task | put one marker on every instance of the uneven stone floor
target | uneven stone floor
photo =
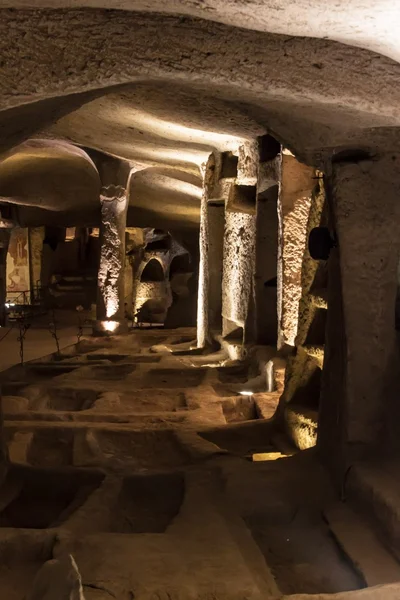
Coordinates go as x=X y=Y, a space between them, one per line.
x=138 y=463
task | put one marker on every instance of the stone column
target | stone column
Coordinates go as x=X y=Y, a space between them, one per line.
x=266 y=260
x=238 y=301
x=293 y=210
x=115 y=177
x=360 y=388
x=216 y=223
x=203 y=333
x=110 y=291
x=4 y=241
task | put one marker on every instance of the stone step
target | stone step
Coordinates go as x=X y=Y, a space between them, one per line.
x=359 y=542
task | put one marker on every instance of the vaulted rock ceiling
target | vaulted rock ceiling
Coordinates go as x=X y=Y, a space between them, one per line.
x=162 y=84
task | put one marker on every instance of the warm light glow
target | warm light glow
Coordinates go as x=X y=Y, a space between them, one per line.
x=173 y=131
x=264 y=456
x=70 y=234
x=112 y=303
x=163 y=182
x=110 y=326
x=246 y=393
x=169 y=155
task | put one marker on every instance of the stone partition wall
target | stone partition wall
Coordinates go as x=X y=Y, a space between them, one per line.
x=299 y=403
x=266 y=261
x=216 y=224
x=360 y=412
x=266 y=249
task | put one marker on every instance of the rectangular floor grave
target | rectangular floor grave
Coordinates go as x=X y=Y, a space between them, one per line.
x=46 y=497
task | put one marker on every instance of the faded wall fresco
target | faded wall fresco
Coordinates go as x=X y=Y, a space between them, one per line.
x=18 y=279
x=36 y=237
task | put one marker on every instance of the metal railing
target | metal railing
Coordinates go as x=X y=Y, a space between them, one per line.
x=27 y=302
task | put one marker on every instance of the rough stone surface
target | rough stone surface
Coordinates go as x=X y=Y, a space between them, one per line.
x=302 y=426
x=359 y=394
x=266 y=261
x=379 y=592
x=237 y=285
x=58 y=579
x=113 y=49
x=238 y=293
x=361 y=23
x=294 y=206
x=112 y=253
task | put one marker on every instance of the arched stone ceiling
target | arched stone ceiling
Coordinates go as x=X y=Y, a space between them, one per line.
x=165 y=198
x=49 y=175
x=338 y=92
x=371 y=24
x=158 y=124
x=163 y=91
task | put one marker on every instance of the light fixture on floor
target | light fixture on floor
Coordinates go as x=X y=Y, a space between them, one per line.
x=110 y=326
x=246 y=393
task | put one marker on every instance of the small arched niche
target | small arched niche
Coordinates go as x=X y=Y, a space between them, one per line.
x=180 y=264
x=153 y=271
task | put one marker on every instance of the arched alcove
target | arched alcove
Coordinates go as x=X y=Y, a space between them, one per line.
x=153 y=271
x=180 y=264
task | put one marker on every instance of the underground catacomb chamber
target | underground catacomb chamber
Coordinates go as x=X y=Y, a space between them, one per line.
x=44 y=497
